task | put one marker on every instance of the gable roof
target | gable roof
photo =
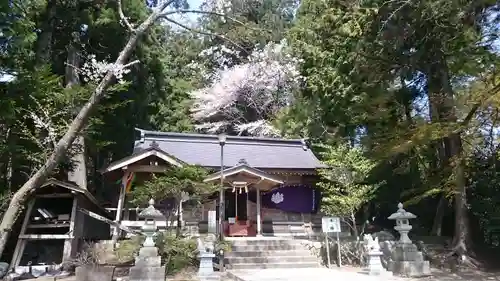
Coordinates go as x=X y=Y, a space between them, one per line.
x=74 y=187
x=243 y=167
x=152 y=150
x=204 y=150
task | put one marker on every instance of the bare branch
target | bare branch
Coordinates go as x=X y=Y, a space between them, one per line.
x=205 y=33
x=131 y=63
x=123 y=18
x=163 y=7
x=404 y=3
x=189 y=11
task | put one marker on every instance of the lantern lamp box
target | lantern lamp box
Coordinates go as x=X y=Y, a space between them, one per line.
x=330 y=224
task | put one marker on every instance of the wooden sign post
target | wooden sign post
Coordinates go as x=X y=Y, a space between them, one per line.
x=329 y=225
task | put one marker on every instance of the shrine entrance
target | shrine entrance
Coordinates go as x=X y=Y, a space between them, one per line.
x=236 y=204
x=237 y=181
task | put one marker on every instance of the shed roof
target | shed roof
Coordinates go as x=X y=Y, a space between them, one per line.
x=71 y=186
x=204 y=150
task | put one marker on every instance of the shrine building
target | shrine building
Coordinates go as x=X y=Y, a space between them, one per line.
x=269 y=184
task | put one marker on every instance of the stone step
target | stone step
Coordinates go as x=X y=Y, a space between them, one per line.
x=240 y=266
x=268 y=242
x=271 y=259
x=281 y=253
x=253 y=248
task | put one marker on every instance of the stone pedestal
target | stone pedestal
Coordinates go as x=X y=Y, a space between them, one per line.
x=206 y=270
x=147 y=266
x=374 y=266
x=408 y=261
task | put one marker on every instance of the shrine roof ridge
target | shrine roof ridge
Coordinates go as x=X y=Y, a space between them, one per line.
x=205 y=150
x=157 y=135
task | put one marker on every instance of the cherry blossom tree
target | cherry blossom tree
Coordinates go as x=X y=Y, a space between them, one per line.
x=103 y=75
x=245 y=98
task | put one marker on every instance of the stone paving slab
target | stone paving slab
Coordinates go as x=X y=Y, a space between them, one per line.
x=301 y=274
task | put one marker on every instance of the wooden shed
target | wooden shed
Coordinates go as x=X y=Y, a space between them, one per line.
x=53 y=230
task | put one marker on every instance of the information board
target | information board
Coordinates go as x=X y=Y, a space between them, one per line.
x=330 y=224
x=212 y=222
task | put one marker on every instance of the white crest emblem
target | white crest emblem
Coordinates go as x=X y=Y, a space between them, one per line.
x=277 y=198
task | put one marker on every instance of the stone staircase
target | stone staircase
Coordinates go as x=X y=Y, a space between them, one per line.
x=255 y=253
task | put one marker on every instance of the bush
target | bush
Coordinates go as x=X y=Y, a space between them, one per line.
x=177 y=253
x=127 y=250
x=351 y=252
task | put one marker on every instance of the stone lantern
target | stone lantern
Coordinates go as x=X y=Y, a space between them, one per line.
x=150 y=215
x=402 y=218
x=406 y=260
x=148 y=262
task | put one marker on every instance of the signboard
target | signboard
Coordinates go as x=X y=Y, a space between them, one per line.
x=212 y=222
x=330 y=224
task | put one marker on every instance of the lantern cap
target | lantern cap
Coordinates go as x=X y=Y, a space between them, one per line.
x=151 y=212
x=401 y=214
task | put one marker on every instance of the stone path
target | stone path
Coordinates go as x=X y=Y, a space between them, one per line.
x=351 y=274
x=301 y=274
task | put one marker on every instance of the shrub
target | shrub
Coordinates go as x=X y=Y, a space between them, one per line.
x=177 y=252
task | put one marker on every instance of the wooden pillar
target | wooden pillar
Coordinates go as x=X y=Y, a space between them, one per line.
x=248 y=209
x=119 y=207
x=69 y=249
x=21 y=243
x=259 y=222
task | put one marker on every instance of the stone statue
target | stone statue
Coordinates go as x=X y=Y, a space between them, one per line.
x=207 y=245
x=201 y=248
x=206 y=255
x=370 y=243
x=373 y=254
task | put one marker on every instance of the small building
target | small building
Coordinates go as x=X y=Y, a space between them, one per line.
x=53 y=229
x=269 y=183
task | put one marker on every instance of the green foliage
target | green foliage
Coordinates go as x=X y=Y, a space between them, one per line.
x=172 y=183
x=343 y=184
x=127 y=250
x=177 y=253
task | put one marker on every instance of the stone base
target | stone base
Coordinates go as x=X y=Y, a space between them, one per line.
x=147 y=273
x=380 y=272
x=214 y=276
x=148 y=261
x=206 y=264
x=410 y=268
x=374 y=266
x=148 y=252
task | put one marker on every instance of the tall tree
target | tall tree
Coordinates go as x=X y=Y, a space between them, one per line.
x=356 y=54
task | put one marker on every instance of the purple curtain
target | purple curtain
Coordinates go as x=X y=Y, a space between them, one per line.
x=296 y=198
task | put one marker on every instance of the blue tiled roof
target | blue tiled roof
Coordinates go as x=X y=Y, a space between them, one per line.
x=204 y=150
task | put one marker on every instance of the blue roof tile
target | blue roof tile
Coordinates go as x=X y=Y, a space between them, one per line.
x=204 y=150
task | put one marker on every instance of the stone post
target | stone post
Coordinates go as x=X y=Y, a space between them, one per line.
x=148 y=263
x=406 y=259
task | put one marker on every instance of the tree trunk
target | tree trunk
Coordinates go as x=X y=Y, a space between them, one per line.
x=437 y=225
x=44 y=40
x=354 y=225
x=461 y=239
x=78 y=173
x=441 y=98
x=62 y=146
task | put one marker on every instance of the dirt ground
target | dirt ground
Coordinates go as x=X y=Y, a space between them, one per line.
x=469 y=275
x=447 y=275
x=437 y=275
